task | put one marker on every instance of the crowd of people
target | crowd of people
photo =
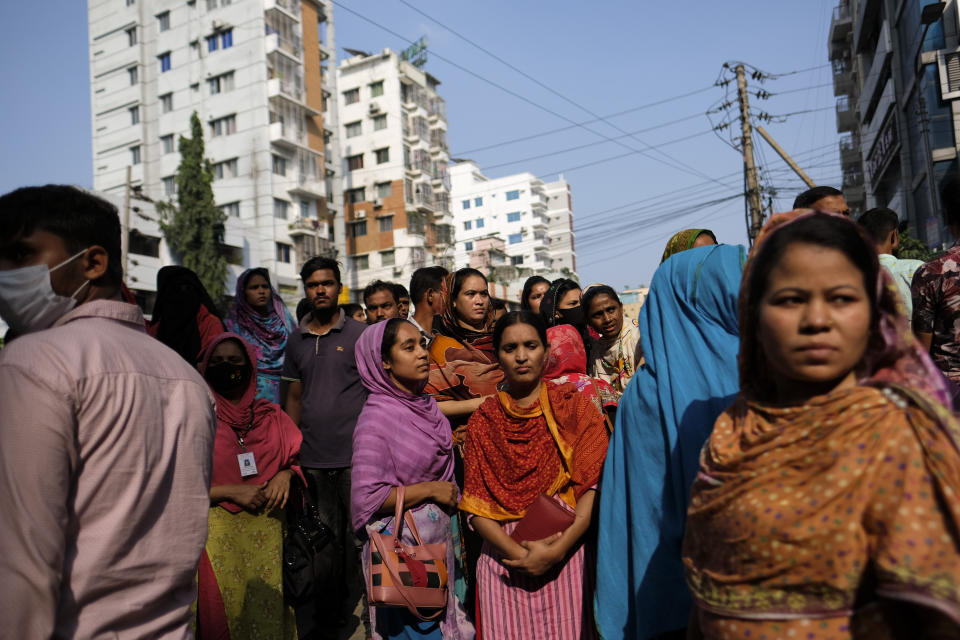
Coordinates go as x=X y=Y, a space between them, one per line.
x=770 y=450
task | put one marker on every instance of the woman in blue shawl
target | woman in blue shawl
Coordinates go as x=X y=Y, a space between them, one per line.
x=259 y=315
x=688 y=328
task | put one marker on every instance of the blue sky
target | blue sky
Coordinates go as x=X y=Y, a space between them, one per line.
x=603 y=57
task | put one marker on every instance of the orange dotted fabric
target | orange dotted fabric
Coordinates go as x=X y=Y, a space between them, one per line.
x=801 y=515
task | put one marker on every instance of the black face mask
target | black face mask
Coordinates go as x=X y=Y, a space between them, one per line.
x=226 y=377
x=572 y=316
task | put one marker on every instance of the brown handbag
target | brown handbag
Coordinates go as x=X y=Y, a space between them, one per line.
x=408 y=576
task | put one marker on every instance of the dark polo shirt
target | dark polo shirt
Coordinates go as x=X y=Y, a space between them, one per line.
x=332 y=393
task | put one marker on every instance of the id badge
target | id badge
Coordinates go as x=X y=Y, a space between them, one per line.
x=248 y=466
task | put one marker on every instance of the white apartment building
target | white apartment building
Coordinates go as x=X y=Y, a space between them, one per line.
x=533 y=219
x=256 y=73
x=394 y=175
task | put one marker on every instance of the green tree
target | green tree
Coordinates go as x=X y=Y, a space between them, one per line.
x=194 y=226
x=911 y=248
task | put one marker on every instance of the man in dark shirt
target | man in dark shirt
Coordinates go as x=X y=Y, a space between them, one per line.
x=325 y=397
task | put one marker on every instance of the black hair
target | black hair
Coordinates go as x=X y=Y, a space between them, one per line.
x=303 y=308
x=524 y=316
x=390 y=337
x=950 y=200
x=316 y=264
x=77 y=217
x=528 y=286
x=497 y=303
x=807 y=199
x=399 y=291
x=379 y=285
x=595 y=291
x=424 y=279
x=879 y=222
x=459 y=277
x=351 y=308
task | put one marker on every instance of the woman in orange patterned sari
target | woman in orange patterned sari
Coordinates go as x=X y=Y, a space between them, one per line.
x=533 y=438
x=826 y=505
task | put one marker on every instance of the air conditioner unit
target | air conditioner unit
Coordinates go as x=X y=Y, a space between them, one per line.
x=359 y=215
x=217 y=25
x=397 y=272
x=377 y=203
x=374 y=108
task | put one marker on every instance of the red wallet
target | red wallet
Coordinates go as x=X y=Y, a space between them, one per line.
x=544 y=518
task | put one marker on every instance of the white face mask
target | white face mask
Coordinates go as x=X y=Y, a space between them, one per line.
x=28 y=301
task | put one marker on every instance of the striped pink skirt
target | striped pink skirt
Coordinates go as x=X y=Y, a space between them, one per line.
x=555 y=606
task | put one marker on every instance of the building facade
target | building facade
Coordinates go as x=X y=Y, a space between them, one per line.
x=897 y=77
x=260 y=77
x=393 y=170
x=516 y=226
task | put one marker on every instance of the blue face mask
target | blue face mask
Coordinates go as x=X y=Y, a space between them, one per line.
x=27 y=300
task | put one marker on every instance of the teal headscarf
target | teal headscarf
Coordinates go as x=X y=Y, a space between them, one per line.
x=688 y=326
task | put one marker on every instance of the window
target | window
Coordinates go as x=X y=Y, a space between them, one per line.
x=515 y=238
x=468 y=246
x=358 y=228
x=304 y=209
x=163 y=21
x=466 y=204
x=211 y=5
x=355 y=195
x=225 y=169
x=361 y=262
x=212 y=43
x=143 y=245
x=166 y=102
x=513 y=217
x=355 y=162
x=164 y=59
x=279 y=165
x=386 y=223
x=383 y=155
x=130 y=3
x=384 y=189
x=134 y=115
x=134 y=76
x=226 y=39
x=283 y=252
x=131 y=36
x=280 y=208
x=351 y=96
x=135 y=155
x=516 y=260
x=170 y=185
x=513 y=195
x=376 y=89
x=478 y=202
x=223 y=126
x=231 y=209
x=195 y=50
x=479 y=223
x=221 y=83
x=167 y=142
x=353 y=129
x=468 y=225
x=388 y=258
x=380 y=122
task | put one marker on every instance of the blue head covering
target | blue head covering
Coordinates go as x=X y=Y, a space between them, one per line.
x=688 y=326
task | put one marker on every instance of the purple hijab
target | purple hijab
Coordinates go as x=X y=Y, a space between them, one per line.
x=400 y=439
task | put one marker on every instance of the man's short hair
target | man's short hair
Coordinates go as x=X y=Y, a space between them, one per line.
x=950 y=200
x=879 y=222
x=807 y=199
x=399 y=291
x=316 y=264
x=379 y=285
x=424 y=279
x=77 y=217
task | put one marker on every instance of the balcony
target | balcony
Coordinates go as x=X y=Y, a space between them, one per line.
x=285 y=136
x=841 y=24
x=287 y=8
x=846 y=117
x=309 y=186
x=291 y=90
x=849 y=152
x=289 y=48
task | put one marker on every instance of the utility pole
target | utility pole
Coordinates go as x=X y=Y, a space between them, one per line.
x=749 y=168
x=786 y=157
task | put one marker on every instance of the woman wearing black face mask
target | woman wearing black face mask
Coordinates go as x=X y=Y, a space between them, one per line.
x=561 y=305
x=255 y=454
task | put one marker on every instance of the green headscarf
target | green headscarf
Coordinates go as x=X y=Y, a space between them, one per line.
x=683 y=240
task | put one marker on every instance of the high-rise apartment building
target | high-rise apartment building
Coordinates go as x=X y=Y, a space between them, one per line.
x=532 y=220
x=260 y=75
x=393 y=137
x=897 y=78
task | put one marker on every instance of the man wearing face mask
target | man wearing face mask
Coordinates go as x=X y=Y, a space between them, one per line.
x=106 y=436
